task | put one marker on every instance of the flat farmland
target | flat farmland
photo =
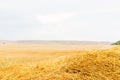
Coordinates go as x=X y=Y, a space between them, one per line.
x=20 y=61
x=35 y=53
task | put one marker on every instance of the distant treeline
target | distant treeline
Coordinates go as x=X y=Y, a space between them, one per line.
x=116 y=43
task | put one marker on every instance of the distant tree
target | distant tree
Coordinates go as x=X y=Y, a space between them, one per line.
x=116 y=43
x=3 y=43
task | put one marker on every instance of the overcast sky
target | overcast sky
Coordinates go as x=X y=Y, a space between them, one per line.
x=90 y=20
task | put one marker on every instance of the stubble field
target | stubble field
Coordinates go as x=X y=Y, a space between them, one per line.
x=59 y=62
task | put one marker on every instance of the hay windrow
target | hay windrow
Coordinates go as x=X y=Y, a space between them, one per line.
x=94 y=65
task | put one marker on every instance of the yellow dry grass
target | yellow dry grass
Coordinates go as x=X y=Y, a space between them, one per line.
x=59 y=62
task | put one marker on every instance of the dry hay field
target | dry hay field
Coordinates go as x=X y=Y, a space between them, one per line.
x=59 y=62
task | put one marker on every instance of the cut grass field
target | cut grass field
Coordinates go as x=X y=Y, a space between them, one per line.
x=59 y=62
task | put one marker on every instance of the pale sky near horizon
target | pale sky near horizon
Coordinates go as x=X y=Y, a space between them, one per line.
x=90 y=20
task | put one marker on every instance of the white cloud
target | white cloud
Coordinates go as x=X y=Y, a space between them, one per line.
x=55 y=18
x=60 y=19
